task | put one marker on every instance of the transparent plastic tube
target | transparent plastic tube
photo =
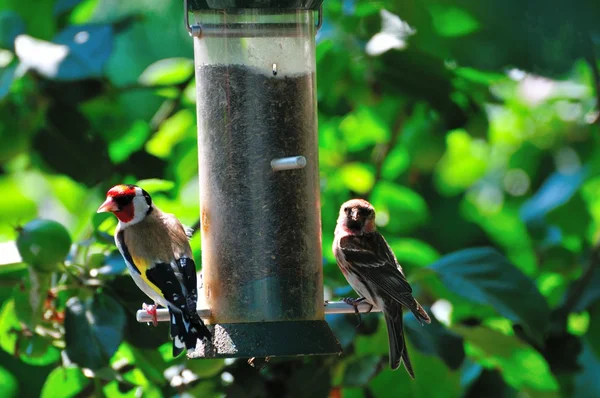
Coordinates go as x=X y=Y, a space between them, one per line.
x=261 y=228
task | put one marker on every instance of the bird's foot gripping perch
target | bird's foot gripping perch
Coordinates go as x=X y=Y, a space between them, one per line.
x=355 y=302
x=151 y=310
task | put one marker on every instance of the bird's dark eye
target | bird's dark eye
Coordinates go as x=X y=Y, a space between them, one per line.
x=346 y=209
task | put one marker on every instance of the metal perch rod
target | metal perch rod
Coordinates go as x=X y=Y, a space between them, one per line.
x=331 y=307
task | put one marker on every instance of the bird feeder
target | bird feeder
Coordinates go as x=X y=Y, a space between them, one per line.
x=259 y=180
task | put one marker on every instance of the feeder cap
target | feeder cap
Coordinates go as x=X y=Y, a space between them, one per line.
x=196 y=5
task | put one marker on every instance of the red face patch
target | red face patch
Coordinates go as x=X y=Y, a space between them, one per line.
x=126 y=214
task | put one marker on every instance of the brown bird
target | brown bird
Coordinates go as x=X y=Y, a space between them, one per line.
x=371 y=268
x=156 y=249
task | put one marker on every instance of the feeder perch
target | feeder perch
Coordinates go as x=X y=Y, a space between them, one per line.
x=259 y=181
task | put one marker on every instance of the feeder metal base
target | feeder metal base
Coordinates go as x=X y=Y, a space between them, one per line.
x=268 y=339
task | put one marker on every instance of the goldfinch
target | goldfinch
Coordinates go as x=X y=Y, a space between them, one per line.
x=156 y=249
x=370 y=267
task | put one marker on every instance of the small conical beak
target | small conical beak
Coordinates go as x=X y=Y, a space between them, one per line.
x=108 y=205
x=354 y=214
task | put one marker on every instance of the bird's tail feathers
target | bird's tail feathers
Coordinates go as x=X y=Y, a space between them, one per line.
x=185 y=331
x=397 y=345
x=406 y=359
x=395 y=335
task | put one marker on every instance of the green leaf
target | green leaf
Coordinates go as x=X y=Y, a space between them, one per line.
x=15 y=206
x=206 y=368
x=587 y=384
x=464 y=163
x=593 y=332
x=139 y=334
x=375 y=344
x=521 y=365
x=64 y=383
x=357 y=177
x=311 y=380
x=155 y=185
x=11 y=268
x=37 y=16
x=435 y=339
x=9 y=384
x=172 y=131
x=413 y=252
x=169 y=71
x=517 y=244
x=362 y=129
x=484 y=276
x=133 y=140
x=11 y=25
x=399 y=209
x=93 y=330
x=9 y=323
x=7 y=76
x=432 y=379
x=450 y=21
x=396 y=162
x=573 y=217
x=360 y=369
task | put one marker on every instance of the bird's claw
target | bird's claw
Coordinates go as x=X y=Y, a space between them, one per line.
x=355 y=302
x=151 y=310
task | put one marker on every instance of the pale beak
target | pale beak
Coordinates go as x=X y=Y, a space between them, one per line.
x=354 y=214
x=108 y=205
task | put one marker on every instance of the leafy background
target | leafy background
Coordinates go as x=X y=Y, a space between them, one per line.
x=471 y=126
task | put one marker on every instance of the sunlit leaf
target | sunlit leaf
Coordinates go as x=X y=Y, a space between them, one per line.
x=465 y=161
x=9 y=324
x=520 y=364
x=167 y=71
x=404 y=209
x=357 y=177
x=171 y=132
x=133 y=139
x=9 y=383
x=156 y=185
x=413 y=252
x=15 y=207
x=362 y=129
x=452 y=21
x=396 y=162
x=432 y=379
